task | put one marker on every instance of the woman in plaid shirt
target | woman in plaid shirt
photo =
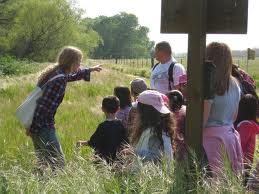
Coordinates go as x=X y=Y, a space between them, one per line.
x=42 y=130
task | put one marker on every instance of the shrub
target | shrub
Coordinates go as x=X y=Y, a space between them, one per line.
x=9 y=65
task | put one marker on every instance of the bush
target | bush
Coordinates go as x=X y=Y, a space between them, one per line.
x=9 y=65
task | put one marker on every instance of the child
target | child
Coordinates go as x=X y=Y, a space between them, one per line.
x=123 y=93
x=220 y=112
x=110 y=135
x=137 y=86
x=248 y=127
x=42 y=130
x=154 y=128
x=176 y=103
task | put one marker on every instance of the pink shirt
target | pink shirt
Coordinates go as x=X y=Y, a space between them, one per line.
x=248 y=131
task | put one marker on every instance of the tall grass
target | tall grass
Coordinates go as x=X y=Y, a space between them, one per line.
x=77 y=118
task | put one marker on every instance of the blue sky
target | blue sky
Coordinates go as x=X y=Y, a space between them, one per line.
x=149 y=11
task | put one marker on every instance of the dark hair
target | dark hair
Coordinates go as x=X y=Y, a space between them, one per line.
x=248 y=107
x=111 y=104
x=147 y=116
x=123 y=93
x=164 y=46
x=176 y=100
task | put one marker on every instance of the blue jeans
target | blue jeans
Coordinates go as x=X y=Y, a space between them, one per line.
x=48 y=149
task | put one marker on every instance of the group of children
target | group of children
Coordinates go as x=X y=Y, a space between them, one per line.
x=146 y=124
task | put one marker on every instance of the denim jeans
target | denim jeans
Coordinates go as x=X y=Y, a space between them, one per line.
x=48 y=149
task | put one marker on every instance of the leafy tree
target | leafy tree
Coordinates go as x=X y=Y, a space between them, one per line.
x=122 y=36
x=41 y=28
x=7 y=15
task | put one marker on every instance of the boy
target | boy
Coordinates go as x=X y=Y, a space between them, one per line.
x=110 y=135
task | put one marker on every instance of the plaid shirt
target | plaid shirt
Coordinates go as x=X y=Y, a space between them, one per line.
x=52 y=97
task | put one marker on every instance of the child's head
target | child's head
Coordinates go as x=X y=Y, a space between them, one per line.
x=248 y=107
x=110 y=104
x=152 y=113
x=137 y=86
x=69 y=58
x=123 y=93
x=176 y=100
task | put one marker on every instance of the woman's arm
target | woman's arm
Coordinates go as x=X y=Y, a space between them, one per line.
x=83 y=73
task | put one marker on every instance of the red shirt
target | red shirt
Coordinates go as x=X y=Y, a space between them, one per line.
x=248 y=131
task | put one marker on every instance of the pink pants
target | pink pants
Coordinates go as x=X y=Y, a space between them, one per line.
x=218 y=141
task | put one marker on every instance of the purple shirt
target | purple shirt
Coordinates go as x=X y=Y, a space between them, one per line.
x=123 y=115
x=52 y=97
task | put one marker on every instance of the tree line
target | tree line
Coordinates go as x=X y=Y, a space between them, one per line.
x=37 y=30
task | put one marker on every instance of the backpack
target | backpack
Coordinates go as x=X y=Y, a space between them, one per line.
x=170 y=74
x=247 y=83
x=25 y=111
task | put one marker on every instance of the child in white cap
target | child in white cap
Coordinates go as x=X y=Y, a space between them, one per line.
x=153 y=128
x=137 y=86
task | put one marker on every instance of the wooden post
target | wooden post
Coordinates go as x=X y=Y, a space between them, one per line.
x=152 y=62
x=195 y=71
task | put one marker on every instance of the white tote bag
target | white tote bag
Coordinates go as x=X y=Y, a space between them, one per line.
x=25 y=111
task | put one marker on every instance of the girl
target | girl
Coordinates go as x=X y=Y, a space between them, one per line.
x=176 y=103
x=154 y=126
x=219 y=135
x=123 y=93
x=248 y=128
x=42 y=130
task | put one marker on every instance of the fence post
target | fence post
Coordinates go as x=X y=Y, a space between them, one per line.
x=152 y=62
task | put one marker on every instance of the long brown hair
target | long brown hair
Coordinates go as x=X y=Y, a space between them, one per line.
x=67 y=57
x=221 y=56
x=148 y=117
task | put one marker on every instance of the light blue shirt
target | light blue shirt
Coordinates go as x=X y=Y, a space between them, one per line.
x=224 y=108
x=149 y=146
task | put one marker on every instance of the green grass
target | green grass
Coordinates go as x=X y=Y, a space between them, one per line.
x=77 y=118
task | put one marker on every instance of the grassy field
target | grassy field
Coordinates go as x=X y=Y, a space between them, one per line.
x=77 y=118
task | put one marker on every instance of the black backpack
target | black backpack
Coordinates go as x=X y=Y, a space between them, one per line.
x=170 y=74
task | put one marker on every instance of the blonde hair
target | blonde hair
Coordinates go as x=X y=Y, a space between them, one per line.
x=220 y=55
x=67 y=57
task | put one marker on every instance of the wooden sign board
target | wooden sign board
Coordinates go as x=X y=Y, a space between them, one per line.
x=250 y=54
x=223 y=16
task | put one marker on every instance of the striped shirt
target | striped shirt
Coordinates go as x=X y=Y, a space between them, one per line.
x=52 y=97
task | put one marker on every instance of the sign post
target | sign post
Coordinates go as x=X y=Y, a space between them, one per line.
x=195 y=72
x=198 y=18
x=250 y=56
